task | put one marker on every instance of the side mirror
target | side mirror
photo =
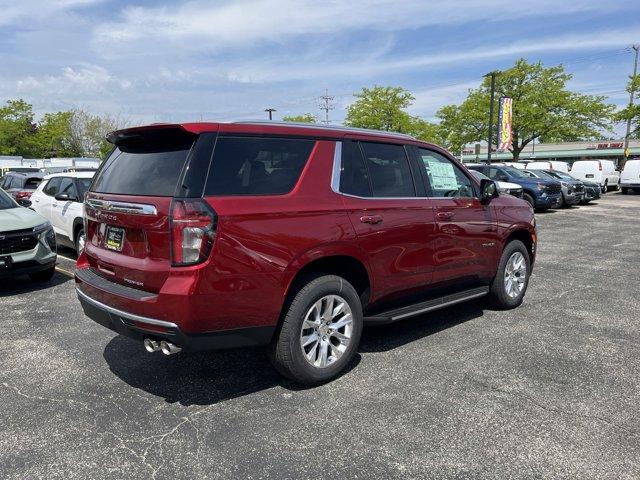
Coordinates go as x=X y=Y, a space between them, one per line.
x=64 y=197
x=488 y=190
x=24 y=202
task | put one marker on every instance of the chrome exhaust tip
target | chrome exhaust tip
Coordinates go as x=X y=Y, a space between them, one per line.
x=169 y=348
x=151 y=345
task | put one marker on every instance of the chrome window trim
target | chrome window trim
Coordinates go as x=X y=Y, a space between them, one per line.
x=122 y=207
x=121 y=313
x=335 y=181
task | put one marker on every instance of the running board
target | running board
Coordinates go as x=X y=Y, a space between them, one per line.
x=394 y=315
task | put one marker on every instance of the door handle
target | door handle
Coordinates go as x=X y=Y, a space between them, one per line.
x=444 y=215
x=372 y=219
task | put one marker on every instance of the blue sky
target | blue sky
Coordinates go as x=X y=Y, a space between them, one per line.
x=225 y=60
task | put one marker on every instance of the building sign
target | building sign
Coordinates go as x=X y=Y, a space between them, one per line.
x=505 y=133
x=605 y=145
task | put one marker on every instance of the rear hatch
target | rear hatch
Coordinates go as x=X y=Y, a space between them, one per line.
x=128 y=206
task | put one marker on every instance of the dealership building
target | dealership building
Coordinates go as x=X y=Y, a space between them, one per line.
x=567 y=152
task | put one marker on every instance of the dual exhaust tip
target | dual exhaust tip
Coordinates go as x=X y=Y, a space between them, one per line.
x=165 y=347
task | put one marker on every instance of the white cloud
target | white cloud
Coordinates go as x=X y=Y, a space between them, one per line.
x=89 y=79
x=250 y=21
x=12 y=11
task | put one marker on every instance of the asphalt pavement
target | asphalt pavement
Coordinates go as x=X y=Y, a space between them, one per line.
x=549 y=390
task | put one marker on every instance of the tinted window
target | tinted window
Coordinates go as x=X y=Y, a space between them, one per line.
x=32 y=183
x=67 y=186
x=257 y=166
x=354 y=178
x=388 y=170
x=51 y=188
x=6 y=201
x=17 y=182
x=498 y=174
x=143 y=171
x=83 y=186
x=444 y=178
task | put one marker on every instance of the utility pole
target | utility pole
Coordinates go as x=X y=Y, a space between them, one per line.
x=493 y=91
x=626 y=137
x=326 y=105
x=270 y=112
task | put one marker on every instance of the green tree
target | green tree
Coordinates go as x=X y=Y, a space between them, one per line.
x=16 y=127
x=89 y=132
x=53 y=137
x=304 y=118
x=631 y=112
x=543 y=109
x=383 y=108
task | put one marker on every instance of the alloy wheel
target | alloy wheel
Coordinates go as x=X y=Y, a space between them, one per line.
x=515 y=275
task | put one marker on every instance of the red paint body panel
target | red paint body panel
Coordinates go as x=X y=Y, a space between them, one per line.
x=261 y=242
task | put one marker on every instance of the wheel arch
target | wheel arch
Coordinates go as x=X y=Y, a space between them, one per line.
x=78 y=224
x=526 y=236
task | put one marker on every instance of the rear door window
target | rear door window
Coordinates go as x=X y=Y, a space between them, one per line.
x=52 y=186
x=257 y=166
x=354 y=178
x=388 y=169
x=67 y=186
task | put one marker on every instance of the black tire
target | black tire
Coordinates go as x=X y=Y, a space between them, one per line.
x=79 y=235
x=605 y=189
x=43 y=276
x=285 y=351
x=498 y=296
x=624 y=190
x=562 y=203
x=529 y=199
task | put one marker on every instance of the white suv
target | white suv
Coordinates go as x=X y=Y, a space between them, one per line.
x=59 y=199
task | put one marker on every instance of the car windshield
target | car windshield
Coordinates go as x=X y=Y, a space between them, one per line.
x=559 y=175
x=516 y=172
x=6 y=201
x=540 y=174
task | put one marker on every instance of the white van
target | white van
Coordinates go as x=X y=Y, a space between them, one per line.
x=603 y=172
x=630 y=178
x=549 y=165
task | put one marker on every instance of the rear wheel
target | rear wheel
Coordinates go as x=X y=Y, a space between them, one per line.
x=512 y=278
x=320 y=331
x=624 y=190
x=43 y=276
x=80 y=241
x=605 y=189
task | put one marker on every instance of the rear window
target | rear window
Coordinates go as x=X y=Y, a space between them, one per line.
x=146 y=163
x=257 y=166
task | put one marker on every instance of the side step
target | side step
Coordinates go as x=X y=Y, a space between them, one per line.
x=396 y=314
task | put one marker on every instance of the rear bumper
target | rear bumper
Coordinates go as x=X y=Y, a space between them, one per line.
x=630 y=184
x=139 y=327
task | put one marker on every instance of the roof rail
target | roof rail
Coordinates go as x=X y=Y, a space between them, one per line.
x=339 y=128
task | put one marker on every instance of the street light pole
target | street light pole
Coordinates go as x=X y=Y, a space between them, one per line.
x=626 y=137
x=493 y=91
x=270 y=112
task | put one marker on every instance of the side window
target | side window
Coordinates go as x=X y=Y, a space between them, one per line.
x=67 y=186
x=52 y=187
x=16 y=182
x=444 y=178
x=354 y=178
x=257 y=166
x=498 y=174
x=389 y=170
x=6 y=181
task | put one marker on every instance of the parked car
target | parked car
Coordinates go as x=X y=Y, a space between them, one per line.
x=630 y=177
x=505 y=188
x=210 y=235
x=603 y=172
x=590 y=190
x=541 y=194
x=5 y=170
x=27 y=241
x=572 y=189
x=21 y=185
x=548 y=165
x=59 y=199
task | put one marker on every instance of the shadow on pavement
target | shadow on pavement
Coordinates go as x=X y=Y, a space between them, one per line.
x=205 y=378
x=23 y=284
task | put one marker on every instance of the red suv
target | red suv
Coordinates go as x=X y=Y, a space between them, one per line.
x=211 y=235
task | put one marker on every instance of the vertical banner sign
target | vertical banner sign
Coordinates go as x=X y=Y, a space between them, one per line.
x=504 y=126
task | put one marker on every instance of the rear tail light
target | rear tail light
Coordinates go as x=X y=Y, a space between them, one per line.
x=193 y=230
x=23 y=194
x=599 y=165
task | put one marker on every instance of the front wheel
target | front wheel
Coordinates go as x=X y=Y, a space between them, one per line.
x=529 y=199
x=605 y=189
x=624 y=190
x=320 y=331
x=512 y=278
x=80 y=241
